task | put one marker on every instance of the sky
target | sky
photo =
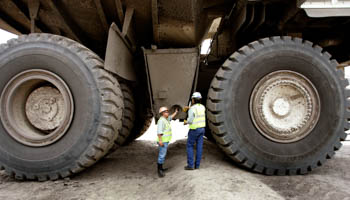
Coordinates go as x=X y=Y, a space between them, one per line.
x=4 y=36
x=179 y=131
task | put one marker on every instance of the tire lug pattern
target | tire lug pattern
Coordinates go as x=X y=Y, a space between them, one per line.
x=110 y=96
x=216 y=106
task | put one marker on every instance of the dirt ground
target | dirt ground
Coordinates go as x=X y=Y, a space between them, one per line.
x=130 y=173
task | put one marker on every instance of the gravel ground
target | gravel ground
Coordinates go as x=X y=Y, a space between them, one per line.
x=130 y=173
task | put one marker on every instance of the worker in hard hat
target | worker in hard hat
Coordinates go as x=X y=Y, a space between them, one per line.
x=196 y=121
x=164 y=136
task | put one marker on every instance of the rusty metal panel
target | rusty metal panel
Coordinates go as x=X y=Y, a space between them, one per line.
x=10 y=8
x=180 y=23
x=4 y=25
x=118 y=58
x=171 y=76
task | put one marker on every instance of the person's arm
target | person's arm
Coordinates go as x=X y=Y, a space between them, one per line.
x=160 y=140
x=174 y=114
x=160 y=129
x=190 y=116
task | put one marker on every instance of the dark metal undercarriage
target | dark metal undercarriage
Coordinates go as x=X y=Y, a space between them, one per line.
x=175 y=24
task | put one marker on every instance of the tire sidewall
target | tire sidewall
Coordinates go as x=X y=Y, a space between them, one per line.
x=306 y=61
x=70 y=66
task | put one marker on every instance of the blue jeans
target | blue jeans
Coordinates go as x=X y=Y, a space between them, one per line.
x=195 y=137
x=162 y=152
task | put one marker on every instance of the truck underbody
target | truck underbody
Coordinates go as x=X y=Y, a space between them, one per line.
x=177 y=24
x=274 y=89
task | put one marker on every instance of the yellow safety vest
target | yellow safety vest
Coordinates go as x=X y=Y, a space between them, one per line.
x=166 y=137
x=199 y=116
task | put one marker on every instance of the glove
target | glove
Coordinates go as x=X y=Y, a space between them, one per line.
x=185 y=109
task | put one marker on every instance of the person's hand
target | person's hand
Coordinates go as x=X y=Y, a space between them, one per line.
x=176 y=110
x=185 y=109
x=161 y=144
x=185 y=122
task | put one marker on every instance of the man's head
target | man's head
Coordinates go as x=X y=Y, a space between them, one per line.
x=195 y=101
x=196 y=97
x=164 y=111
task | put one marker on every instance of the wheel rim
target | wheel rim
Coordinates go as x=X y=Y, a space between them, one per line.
x=285 y=106
x=36 y=107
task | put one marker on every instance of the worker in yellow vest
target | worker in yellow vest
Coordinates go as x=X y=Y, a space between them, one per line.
x=164 y=136
x=196 y=121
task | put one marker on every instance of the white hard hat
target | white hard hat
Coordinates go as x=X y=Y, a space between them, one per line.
x=162 y=109
x=196 y=95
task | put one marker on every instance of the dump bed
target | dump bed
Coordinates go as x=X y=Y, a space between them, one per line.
x=181 y=23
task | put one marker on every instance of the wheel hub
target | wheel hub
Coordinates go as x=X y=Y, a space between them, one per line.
x=36 y=107
x=285 y=106
x=45 y=108
x=281 y=107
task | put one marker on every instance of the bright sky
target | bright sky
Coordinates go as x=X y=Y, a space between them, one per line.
x=4 y=36
x=178 y=129
x=205 y=46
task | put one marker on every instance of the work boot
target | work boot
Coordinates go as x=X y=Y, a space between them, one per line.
x=164 y=169
x=188 y=168
x=160 y=171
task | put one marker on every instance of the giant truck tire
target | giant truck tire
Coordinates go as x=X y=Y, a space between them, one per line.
x=60 y=110
x=141 y=125
x=133 y=125
x=128 y=116
x=278 y=106
x=209 y=135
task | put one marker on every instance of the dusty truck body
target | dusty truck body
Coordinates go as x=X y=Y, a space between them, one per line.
x=86 y=76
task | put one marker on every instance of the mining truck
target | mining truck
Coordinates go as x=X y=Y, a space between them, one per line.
x=85 y=77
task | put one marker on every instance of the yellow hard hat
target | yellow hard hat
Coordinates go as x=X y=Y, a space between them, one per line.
x=162 y=109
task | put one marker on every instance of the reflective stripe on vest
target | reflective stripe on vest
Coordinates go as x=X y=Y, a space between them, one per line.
x=166 y=137
x=199 y=117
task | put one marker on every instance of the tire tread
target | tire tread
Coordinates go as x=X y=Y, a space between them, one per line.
x=105 y=83
x=216 y=111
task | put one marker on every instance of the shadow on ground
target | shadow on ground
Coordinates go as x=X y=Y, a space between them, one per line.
x=130 y=173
